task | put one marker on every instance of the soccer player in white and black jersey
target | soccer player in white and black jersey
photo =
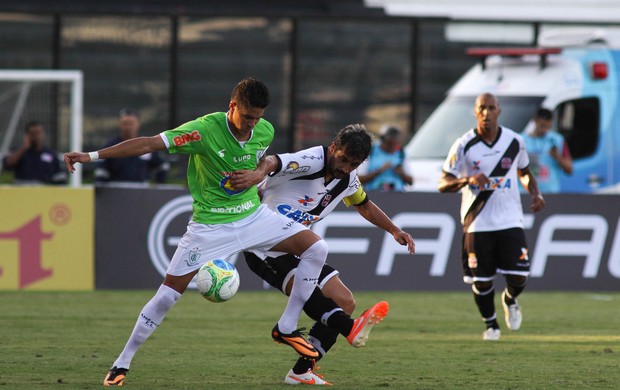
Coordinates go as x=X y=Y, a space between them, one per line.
x=485 y=164
x=306 y=186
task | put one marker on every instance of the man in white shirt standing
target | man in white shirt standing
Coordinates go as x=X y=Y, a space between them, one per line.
x=485 y=164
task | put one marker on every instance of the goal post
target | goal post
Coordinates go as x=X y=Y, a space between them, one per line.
x=27 y=78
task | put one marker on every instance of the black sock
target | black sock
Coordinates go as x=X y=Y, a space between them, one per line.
x=318 y=304
x=492 y=323
x=515 y=284
x=322 y=337
x=512 y=293
x=485 y=303
x=341 y=322
x=303 y=365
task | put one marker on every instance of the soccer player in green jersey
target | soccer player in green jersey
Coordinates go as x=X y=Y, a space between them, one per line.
x=224 y=151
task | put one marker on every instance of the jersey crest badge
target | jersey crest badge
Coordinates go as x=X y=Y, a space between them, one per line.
x=193 y=257
x=227 y=187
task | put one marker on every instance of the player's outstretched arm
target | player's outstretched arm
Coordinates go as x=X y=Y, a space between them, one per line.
x=132 y=147
x=373 y=214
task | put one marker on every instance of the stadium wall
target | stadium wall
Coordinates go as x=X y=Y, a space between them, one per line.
x=574 y=243
x=46 y=238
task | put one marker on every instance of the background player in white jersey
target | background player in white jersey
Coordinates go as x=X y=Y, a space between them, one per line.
x=306 y=186
x=225 y=149
x=485 y=164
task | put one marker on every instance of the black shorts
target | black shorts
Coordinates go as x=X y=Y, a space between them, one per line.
x=277 y=271
x=487 y=253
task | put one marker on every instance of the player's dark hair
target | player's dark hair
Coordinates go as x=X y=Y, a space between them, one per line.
x=31 y=124
x=355 y=139
x=251 y=92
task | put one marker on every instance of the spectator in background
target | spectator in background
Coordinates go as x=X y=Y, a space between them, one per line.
x=138 y=169
x=33 y=162
x=548 y=153
x=384 y=169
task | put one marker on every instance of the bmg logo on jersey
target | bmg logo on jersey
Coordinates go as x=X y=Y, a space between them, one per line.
x=294 y=167
x=184 y=138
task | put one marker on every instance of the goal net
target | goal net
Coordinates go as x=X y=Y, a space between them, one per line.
x=51 y=97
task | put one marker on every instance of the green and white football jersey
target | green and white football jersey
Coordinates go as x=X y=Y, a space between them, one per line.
x=214 y=155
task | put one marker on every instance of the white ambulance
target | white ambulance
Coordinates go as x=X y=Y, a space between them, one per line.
x=574 y=73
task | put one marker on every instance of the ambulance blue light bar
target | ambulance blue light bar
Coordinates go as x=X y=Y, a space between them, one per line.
x=484 y=52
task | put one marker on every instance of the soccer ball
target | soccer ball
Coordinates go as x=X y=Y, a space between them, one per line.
x=217 y=280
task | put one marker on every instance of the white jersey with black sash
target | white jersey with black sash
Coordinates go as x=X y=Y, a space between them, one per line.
x=298 y=190
x=498 y=206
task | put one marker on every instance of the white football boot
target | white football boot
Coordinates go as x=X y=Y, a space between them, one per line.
x=512 y=314
x=309 y=378
x=491 y=334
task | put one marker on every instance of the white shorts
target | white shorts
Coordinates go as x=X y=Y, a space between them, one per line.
x=258 y=233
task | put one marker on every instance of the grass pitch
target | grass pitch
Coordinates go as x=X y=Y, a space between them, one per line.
x=60 y=340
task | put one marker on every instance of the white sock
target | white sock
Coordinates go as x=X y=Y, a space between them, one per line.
x=306 y=277
x=149 y=319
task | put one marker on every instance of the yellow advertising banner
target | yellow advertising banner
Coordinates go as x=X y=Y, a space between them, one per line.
x=46 y=238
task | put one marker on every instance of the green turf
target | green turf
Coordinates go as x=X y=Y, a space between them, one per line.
x=428 y=341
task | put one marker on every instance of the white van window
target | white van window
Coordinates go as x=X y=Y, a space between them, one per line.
x=579 y=122
x=455 y=116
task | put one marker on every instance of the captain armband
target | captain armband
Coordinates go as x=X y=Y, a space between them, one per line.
x=357 y=199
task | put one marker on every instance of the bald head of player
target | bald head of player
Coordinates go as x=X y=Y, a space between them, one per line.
x=487 y=111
